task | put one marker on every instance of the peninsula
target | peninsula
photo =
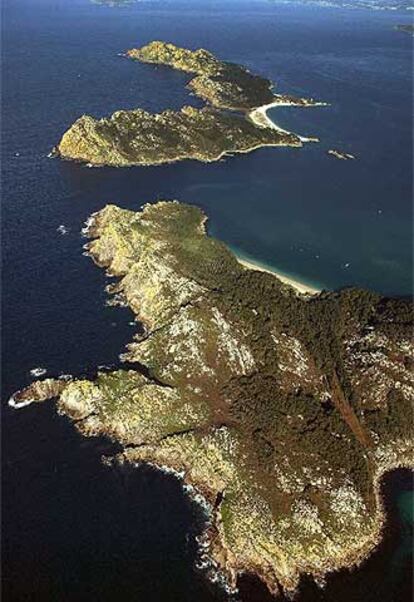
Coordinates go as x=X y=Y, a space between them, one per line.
x=225 y=85
x=234 y=121
x=281 y=410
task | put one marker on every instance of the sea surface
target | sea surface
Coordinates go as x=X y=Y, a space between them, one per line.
x=74 y=529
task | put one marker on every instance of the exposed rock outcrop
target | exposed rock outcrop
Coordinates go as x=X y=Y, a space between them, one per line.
x=282 y=410
x=141 y=138
x=136 y=137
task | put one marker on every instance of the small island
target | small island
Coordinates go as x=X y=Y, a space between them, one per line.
x=280 y=411
x=406 y=28
x=234 y=121
x=340 y=154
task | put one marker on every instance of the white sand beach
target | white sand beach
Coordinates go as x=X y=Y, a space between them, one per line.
x=261 y=119
x=300 y=287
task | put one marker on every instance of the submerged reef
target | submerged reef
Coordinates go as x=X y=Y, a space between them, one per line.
x=282 y=410
x=227 y=126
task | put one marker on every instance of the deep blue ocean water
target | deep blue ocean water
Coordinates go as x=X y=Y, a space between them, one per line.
x=73 y=529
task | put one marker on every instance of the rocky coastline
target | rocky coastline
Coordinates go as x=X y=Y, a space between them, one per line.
x=137 y=137
x=227 y=125
x=281 y=411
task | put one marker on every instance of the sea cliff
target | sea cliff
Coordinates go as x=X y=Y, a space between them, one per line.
x=227 y=125
x=282 y=410
x=141 y=138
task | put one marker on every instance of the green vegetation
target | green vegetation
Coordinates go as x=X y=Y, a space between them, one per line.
x=140 y=138
x=137 y=137
x=224 y=85
x=282 y=409
x=199 y=61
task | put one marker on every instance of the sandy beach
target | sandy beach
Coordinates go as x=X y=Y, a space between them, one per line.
x=260 y=118
x=300 y=287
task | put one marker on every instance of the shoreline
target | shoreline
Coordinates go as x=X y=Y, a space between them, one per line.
x=301 y=287
x=351 y=559
x=219 y=157
x=261 y=119
x=258 y=116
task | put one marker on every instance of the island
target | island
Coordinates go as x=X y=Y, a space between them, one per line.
x=406 y=28
x=234 y=121
x=140 y=138
x=340 y=154
x=279 y=411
